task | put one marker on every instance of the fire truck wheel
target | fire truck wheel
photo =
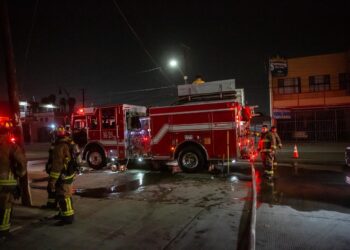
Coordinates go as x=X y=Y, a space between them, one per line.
x=96 y=158
x=191 y=159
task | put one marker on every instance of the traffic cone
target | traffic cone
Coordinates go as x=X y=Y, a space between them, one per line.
x=295 y=152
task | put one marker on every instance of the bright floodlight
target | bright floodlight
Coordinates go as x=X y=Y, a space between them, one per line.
x=173 y=63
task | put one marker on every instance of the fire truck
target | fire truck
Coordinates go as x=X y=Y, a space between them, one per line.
x=209 y=125
x=116 y=132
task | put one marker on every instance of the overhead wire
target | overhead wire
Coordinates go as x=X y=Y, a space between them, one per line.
x=29 y=42
x=137 y=37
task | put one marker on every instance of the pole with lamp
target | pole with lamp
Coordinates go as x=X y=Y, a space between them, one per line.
x=174 y=64
x=13 y=91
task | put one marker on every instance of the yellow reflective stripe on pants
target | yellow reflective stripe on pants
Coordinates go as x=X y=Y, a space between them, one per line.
x=8 y=182
x=5 y=224
x=69 y=207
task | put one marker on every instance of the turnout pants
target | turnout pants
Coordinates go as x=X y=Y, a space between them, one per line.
x=6 y=199
x=51 y=198
x=267 y=159
x=64 y=200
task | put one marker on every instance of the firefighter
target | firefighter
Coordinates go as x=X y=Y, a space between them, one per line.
x=267 y=147
x=278 y=142
x=199 y=80
x=13 y=165
x=51 y=200
x=62 y=174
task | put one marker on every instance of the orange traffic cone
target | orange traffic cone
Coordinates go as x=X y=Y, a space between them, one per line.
x=295 y=152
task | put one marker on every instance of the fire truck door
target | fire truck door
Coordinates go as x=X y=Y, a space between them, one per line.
x=108 y=126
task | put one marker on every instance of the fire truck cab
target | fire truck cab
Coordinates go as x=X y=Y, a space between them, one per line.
x=209 y=125
x=118 y=132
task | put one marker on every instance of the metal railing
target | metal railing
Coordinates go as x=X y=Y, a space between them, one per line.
x=316 y=125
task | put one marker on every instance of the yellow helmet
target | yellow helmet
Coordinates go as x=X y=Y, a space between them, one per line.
x=60 y=131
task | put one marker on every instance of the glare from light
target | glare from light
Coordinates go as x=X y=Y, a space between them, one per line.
x=140 y=177
x=173 y=63
x=234 y=161
x=23 y=104
x=113 y=159
x=140 y=159
x=234 y=179
x=49 y=106
x=53 y=126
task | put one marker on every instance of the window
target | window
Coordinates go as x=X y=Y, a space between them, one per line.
x=108 y=118
x=93 y=122
x=319 y=83
x=289 y=85
x=344 y=81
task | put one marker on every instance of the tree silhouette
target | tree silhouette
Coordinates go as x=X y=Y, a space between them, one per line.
x=71 y=104
x=63 y=104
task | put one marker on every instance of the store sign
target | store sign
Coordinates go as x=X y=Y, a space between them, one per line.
x=278 y=67
x=282 y=114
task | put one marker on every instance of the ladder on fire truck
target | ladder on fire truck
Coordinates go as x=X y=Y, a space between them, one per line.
x=210 y=91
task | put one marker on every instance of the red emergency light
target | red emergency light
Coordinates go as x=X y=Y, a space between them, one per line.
x=81 y=111
x=12 y=139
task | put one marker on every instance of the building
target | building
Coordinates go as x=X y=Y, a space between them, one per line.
x=310 y=97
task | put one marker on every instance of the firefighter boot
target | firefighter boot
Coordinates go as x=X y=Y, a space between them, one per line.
x=64 y=220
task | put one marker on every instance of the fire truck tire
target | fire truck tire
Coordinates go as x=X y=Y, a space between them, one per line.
x=191 y=159
x=96 y=158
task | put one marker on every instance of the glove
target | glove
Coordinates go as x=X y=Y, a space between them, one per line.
x=48 y=168
x=51 y=188
x=17 y=192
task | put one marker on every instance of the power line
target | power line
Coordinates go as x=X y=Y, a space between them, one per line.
x=26 y=54
x=139 y=40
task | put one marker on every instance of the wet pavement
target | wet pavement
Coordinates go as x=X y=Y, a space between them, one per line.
x=305 y=185
x=144 y=210
x=141 y=209
x=307 y=209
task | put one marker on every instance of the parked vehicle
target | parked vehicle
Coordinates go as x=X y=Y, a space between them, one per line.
x=118 y=132
x=347 y=156
x=208 y=125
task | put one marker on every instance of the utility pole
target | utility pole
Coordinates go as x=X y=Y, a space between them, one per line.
x=83 y=93
x=13 y=91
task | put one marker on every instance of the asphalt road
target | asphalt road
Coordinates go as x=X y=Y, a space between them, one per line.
x=140 y=209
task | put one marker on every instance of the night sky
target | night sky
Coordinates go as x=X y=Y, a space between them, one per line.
x=75 y=44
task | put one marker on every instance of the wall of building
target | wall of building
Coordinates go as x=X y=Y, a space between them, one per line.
x=303 y=68
x=308 y=114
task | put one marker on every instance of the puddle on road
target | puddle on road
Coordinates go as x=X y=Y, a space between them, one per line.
x=308 y=190
x=138 y=181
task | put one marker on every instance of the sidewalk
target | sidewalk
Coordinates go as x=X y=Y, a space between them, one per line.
x=314 y=153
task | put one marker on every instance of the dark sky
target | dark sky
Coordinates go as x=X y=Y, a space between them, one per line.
x=77 y=44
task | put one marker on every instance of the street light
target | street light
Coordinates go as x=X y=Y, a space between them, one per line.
x=173 y=63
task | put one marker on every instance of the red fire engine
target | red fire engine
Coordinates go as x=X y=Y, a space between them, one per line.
x=117 y=132
x=211 y=126
x=207 y=125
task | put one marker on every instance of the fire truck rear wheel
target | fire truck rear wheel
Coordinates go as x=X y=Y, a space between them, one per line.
x=96 y=158
x=191 y=159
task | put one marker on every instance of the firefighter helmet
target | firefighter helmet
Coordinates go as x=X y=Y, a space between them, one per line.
x=5 y=127
x=60 y=131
